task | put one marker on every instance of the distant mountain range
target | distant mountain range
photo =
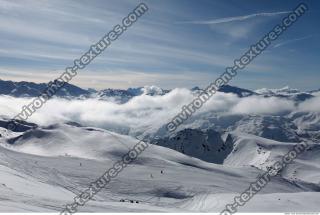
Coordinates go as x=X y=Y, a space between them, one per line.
x=30 y=89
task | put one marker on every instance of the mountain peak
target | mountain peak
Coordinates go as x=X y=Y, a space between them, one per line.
x=286 y=90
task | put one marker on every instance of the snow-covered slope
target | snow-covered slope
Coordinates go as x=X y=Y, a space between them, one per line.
x=282 y=91
x=250 y=150
x=278 y=128
x=42 y=169
x=286 y=92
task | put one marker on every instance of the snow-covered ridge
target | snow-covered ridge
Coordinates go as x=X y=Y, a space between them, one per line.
x=29 y=89
x=287 y=92
x=281 y=91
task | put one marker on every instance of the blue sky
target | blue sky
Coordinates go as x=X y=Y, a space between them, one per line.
x=177 y=43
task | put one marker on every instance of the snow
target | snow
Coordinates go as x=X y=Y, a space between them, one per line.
x=208 y=160
x=282 y=91
x=38 y=176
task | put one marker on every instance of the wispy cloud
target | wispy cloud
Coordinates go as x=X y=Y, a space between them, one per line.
x=291 y=41
x=40 y=38
x=234 y=18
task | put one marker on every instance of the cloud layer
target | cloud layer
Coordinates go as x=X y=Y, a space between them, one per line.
x=145 y=112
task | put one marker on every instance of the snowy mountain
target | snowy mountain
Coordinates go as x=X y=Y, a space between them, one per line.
x=241 y=92
x=213 y=156
x=282 y=91
x=29 y=89
x=236 y=90
x=285 y=92
x=123 y=96
x=63 y=159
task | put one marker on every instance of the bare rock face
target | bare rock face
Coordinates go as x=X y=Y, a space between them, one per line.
x=205 y=145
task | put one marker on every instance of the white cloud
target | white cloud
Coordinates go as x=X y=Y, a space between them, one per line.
x=290 y=41
x=234 y=18
x=139 y=112
x=311 y=105
x=144 y=112
x=259 y=105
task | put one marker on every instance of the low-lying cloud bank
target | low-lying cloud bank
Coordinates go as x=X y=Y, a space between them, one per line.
x=145 y=112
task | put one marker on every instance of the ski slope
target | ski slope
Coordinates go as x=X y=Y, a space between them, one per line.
x=43 y=169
